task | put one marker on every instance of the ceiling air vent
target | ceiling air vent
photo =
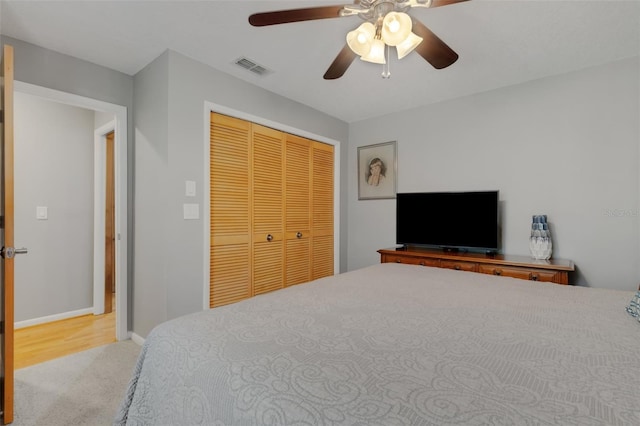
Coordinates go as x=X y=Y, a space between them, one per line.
x=249 y=65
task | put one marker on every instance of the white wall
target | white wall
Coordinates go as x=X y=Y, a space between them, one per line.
x=565 y=146
x=54 y=168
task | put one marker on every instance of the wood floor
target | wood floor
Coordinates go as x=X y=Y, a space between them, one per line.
x=39 y=343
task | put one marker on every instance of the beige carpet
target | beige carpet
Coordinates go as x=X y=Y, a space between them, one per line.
x=81 y=389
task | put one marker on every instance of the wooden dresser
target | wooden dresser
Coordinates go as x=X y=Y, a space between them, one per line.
x=523 y=267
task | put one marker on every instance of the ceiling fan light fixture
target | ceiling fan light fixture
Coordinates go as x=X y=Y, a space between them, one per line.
x=386 y=23
x=396 y=27
x=360 y=39
x=376 y=54
x=407 y=46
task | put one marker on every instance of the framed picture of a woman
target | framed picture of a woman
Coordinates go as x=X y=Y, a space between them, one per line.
x=377 y=171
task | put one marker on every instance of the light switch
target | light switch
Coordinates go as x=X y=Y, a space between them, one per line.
x=41 y=213
x=191 y=211
x=190 y=188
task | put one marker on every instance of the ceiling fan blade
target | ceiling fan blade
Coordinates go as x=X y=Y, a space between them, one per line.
x=294 y=15
x=438 y=3
x=340 y=64
x=432 y=49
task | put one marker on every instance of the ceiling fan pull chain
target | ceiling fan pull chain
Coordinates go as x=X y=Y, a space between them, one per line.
x=386 y=71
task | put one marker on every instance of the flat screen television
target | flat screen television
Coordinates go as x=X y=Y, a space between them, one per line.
x=448 y=220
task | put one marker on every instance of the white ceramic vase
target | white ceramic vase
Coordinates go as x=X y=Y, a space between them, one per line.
x=540 y=244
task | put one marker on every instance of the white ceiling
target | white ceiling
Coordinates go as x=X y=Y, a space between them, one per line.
x=500 y=43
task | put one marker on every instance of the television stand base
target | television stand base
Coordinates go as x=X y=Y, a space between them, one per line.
x=523 y=267
x=451 y=250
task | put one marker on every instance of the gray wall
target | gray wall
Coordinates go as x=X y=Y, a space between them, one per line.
x=169 y=250
x=102 y=118
x=565 y=146
x=152 y=249
x=46 y=68
x=53 y=168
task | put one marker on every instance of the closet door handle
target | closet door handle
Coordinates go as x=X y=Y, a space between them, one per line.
x=299 y=235
x=269 y=237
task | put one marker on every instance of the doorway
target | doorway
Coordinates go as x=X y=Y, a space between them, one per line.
x=110 y=227
x=117 y=127
x=105 y=234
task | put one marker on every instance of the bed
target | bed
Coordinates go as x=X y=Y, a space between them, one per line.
x=395 y=344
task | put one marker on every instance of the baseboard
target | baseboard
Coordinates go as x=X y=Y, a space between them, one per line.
x=51 y=318
x=138 y=339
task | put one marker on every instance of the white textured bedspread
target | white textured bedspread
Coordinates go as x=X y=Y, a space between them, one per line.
x=396 y=344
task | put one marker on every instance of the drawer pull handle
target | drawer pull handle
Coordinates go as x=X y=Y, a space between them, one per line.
x=534 y=277
x=269 y=237
x=299 y=235
x=421 y=263
x=398 y=261
x=457 y=267
x=497 y=272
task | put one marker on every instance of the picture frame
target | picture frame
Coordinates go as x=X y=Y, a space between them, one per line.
x=377 y=171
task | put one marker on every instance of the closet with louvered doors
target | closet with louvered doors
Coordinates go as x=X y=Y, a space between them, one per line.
x=270 y=210
x=267 y=210
x=322 y=187
x=298 y=169
x=308 y=210
x=230 y=270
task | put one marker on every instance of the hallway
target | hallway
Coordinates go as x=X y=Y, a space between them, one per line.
x=44 y=342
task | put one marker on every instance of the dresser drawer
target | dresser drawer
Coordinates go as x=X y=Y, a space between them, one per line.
x=522 y=273
x=459 y=266
x=410 y=260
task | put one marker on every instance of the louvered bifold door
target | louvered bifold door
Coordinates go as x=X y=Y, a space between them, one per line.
x=297 y=210
x=268 y=200
x=230 y=267
x=322 y=210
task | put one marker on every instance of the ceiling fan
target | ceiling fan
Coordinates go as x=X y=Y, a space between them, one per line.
x=386 y=24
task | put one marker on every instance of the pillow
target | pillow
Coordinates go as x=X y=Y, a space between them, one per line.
x=634 y=306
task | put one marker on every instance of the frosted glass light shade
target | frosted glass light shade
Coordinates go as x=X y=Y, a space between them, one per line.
x=360 y=39
x=407 y=46
x=376 y=54
x=396 y=27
